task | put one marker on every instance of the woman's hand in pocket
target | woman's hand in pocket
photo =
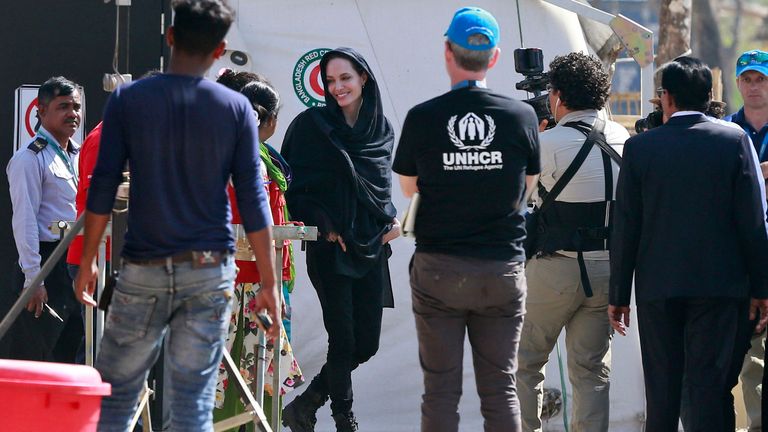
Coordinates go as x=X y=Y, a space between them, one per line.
x=336 y=238
x=392 y=233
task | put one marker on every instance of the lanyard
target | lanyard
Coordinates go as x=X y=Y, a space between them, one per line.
x=469 y=83
x=763 y=148
x=57 y=148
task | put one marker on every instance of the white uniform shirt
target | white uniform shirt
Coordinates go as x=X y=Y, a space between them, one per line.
x=42 y=187
x=559 y=147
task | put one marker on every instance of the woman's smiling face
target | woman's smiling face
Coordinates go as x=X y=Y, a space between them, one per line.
x=345 y=84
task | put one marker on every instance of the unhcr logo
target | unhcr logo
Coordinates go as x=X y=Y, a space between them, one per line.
x=472 y=133
x=472 y=129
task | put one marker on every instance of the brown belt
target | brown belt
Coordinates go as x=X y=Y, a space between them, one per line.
x=195 y=257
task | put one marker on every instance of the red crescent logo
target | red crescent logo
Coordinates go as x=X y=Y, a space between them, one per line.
x=314 y=82
x=27 y=123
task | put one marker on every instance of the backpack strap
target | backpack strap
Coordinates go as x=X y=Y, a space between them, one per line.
x=593 y=134
x=607 y=152
x=585 y=128
x=578 y=161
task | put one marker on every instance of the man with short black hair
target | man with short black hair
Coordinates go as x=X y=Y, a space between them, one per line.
x=471 y=154
x=752 y=82
x=568 y=282
x=184 y=137
x=42 y=178
x=690 y=230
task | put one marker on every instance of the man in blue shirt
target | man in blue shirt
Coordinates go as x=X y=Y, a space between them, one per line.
x=184 y=138
x=752 y=81
x=42 y=178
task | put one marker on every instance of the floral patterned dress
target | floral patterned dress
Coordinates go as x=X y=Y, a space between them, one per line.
x=243 y=338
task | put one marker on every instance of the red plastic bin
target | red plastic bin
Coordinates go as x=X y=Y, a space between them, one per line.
x=51 y=397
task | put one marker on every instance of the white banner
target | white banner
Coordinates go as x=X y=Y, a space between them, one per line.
x=403 y=42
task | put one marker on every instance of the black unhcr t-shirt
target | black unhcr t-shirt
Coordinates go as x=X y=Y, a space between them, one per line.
x=471 y=150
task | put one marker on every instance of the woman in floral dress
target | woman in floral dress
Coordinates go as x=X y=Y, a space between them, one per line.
x=243 y=330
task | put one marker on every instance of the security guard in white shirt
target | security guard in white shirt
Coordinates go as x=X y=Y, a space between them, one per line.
x=42 y=179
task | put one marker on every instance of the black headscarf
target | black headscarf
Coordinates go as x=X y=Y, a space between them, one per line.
x=341 y=174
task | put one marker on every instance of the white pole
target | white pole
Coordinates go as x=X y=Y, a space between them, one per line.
x=278 y=346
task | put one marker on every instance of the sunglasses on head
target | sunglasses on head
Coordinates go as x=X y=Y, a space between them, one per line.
x=752 y=57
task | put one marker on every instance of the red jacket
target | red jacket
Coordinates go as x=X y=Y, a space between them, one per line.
x=89 y=154
x=248 y=272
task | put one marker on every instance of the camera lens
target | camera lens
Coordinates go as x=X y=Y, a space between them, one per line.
x=529 y=61
x=641 y=125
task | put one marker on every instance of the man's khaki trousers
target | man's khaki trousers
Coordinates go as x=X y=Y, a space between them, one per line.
x=556 y=300
x=751 y=379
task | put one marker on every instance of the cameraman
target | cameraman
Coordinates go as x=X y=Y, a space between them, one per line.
x=557 y=297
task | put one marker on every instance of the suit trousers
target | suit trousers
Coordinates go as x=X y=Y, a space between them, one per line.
x=764 y=399
x=484 y=299
x=556 y=301
x=694 y=342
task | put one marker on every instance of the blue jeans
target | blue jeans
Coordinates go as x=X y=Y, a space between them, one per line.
x=193 y=305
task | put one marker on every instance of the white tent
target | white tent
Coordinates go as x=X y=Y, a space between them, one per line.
x=402 y=41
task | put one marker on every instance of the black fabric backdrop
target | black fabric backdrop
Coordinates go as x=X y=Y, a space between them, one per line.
x=74 y=38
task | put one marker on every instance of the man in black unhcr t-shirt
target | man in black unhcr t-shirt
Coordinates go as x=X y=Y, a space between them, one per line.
x=469 y=154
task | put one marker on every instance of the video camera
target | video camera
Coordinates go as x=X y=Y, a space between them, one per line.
x=654 y=119
x=530 y=63
x=715 y=109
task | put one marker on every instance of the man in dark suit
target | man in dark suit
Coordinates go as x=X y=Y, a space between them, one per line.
x=690 y=226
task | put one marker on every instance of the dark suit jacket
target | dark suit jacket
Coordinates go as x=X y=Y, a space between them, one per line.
x=689 y=218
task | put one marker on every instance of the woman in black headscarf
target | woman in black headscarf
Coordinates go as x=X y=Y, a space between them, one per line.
x=341 y=157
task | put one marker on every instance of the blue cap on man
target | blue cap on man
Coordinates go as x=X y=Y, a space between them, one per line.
x=470 y=21
x=755 y=60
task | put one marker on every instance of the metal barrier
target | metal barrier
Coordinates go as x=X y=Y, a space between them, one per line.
x=254 y=397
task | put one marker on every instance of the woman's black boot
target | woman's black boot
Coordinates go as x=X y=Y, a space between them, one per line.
x=299 y=415
x=345 y=422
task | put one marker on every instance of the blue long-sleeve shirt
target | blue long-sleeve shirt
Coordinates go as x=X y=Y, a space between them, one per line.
x=183 y=137
x=42 y=187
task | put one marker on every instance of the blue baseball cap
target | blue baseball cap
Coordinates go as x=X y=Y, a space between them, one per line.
x=470 y=21
x=755 y=60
